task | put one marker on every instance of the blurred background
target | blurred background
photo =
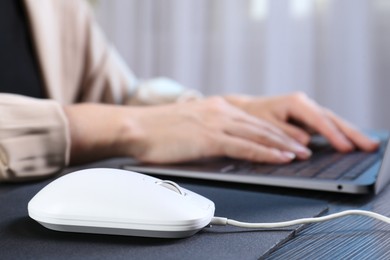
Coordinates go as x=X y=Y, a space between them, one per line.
x=338 y=52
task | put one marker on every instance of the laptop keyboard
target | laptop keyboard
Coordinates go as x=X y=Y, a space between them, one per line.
x=325 y=163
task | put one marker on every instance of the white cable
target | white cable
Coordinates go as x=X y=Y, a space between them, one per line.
x=224 y=221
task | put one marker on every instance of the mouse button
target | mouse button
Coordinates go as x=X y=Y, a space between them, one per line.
x=171 y=186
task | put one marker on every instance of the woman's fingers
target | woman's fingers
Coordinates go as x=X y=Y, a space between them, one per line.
x=238 y=148
x=343 y=136
x=360 y=140
x=248 y=127
x=295 y=132
x=312 y=115
x=282 y=111
x=265 y=137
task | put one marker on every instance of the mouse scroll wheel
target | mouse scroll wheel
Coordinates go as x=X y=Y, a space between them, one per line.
x=172 y=186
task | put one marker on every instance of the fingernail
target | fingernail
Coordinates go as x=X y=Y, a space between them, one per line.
x=287 y=156
x=302 y=151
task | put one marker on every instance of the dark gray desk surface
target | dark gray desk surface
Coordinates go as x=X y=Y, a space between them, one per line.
x=359 y=237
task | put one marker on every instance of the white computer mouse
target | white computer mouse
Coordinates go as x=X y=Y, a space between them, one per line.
x=112 y=201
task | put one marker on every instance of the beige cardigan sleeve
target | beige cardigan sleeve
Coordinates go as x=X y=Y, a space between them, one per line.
x=33 y=137
x=77 y=65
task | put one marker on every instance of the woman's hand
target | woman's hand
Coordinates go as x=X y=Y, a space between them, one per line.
x=207 y=128
x=298 y=116
x=176 y=133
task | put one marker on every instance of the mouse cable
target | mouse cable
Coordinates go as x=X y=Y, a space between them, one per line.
x=220 y=221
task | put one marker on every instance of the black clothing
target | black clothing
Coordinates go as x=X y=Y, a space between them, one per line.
x=19 y=70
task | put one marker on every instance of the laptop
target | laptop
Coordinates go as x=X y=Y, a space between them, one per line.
x=327 y=170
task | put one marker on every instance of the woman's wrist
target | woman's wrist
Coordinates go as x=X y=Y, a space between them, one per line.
x=98 y=131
